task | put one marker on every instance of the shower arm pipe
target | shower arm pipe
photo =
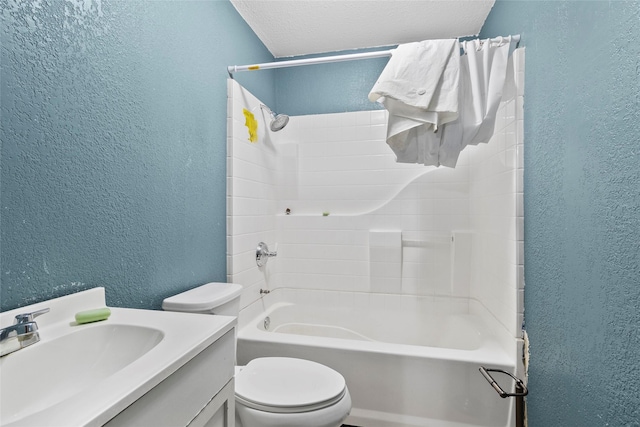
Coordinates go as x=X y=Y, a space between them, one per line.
x=328 y=59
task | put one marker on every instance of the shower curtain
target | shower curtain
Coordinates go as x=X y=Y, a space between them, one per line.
x=482 y=75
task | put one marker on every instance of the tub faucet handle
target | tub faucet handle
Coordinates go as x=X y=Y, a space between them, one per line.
x=263 y=254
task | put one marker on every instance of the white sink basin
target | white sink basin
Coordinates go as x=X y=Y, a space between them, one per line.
x=68 y=365
x=84 y=375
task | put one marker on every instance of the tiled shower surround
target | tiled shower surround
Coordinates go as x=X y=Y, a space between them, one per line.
x=362 y=223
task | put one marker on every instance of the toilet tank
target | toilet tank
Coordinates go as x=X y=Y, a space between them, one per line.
x=212 y=298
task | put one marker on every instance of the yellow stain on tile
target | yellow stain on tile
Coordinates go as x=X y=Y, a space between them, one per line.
x=252 y=124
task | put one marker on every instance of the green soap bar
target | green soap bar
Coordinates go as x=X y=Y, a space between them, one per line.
x=96 y=315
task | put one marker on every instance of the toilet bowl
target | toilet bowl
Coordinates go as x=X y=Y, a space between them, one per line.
x=272 y=391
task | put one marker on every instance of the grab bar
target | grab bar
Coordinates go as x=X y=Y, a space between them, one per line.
x=519 y=393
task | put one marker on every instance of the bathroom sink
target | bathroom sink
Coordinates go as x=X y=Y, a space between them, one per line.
x=85 y=375
x=47 y=373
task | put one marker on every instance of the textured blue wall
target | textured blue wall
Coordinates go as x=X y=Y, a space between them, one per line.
x=114 y=145
x=328 y=88
x=582 y=207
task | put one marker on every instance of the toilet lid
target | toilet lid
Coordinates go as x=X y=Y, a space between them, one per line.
x=282 y=384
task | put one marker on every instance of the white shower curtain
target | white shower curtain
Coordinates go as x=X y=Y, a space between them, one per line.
x=482 y=75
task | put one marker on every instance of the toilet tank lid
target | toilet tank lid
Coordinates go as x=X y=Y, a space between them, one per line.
x=203 y=298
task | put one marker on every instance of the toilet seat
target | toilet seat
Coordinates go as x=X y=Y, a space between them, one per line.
x=287 y=385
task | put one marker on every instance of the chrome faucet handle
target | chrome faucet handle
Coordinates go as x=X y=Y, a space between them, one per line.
x=28 y=317
x=263 y=254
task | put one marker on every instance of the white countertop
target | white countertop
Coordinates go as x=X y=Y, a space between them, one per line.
x=184 y=336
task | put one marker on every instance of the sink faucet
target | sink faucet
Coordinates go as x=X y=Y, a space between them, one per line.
x=21 y=334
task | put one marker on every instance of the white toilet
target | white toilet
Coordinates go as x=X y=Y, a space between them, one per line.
x=272 y=391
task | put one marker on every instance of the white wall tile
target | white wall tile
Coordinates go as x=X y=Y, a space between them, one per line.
x=497 y=192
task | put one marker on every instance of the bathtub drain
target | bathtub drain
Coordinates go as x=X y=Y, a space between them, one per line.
x=267 y=322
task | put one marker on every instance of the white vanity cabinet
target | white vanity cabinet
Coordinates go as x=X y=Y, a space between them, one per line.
x=198 y=394
x=220 y=411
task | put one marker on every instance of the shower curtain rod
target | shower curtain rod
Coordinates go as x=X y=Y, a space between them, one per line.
x=327 y=59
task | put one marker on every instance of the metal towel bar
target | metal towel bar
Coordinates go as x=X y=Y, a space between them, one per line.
x=519 y=393
x=521 y=389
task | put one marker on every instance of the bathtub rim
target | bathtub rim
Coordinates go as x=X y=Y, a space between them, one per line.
x=497 y=350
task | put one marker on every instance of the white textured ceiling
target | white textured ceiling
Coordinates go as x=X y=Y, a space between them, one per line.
x=300 y=27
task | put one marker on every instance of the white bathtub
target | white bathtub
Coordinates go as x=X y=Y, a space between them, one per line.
x=407 y=360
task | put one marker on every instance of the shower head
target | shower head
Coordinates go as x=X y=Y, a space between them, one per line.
x=278 y=121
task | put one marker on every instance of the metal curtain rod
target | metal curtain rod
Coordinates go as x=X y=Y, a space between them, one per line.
x=327 y=59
